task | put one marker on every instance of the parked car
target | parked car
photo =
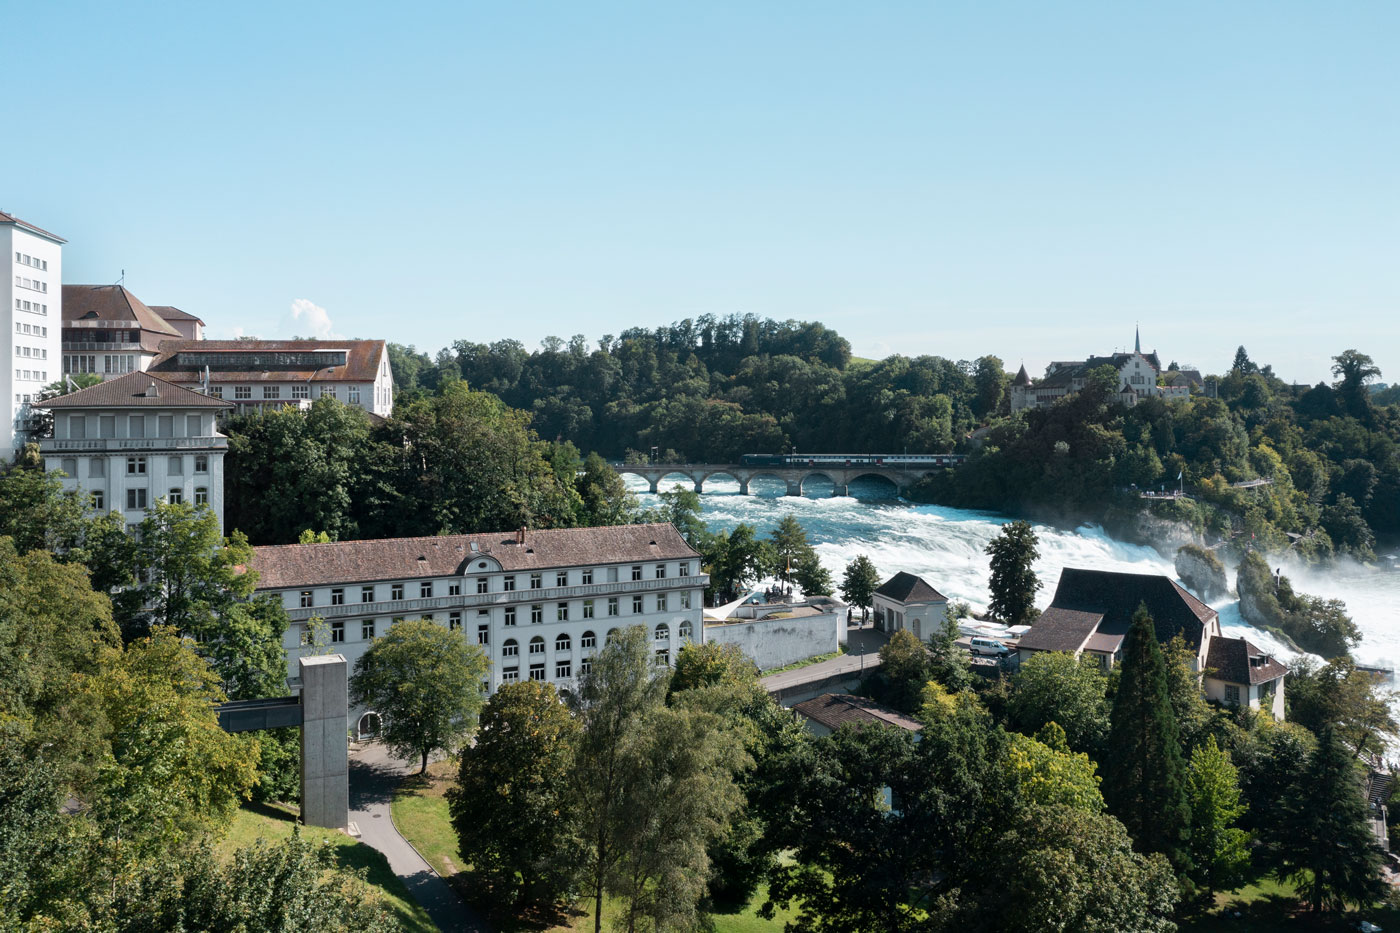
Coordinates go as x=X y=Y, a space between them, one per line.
x=989 y=646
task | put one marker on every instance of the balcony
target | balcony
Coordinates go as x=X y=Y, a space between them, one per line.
x=100 y=444
x=77 y=346
x=408 y=608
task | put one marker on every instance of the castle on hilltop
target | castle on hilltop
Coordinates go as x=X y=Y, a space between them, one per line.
x=1138 y=378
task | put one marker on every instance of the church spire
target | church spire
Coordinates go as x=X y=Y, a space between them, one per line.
x=1137 y=338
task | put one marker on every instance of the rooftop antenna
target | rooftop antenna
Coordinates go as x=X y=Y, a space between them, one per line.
x=122 y=280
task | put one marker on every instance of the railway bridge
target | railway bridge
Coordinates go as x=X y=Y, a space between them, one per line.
x=840 y=475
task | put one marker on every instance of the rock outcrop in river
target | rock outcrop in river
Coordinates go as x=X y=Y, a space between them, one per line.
x=1202 y=572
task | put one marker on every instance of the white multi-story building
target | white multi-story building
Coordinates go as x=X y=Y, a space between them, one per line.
x=539 y=603
x=33 y=316
x=134 y=439
x=258 y=373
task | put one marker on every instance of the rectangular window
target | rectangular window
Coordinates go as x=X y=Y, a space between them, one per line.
x=338 y=597
x=588 y=608
x=1232 y=694
x=97 y=467
x=425 y=590
x=589 y=640
x=366 y=594
x=242 y=392
x=454 y=621
x=305 y=636
x=69 y=466
x=510 y=650
x=306 y=599
x=201 y=463
x=510 y=615
x=586 y=576
x=563 y=669
x=135 y=466
x=337 y=631
x=353 y=395
x=107 y=426
x=301 y=391
x=216 y=391
x=685 y=600
x=585 y=667
x=175 y=466
x=482 y=585
x=537 y=672
x=660 y=571
x=483 y=634
x=684 y=569
x=98 y=500
x=136 y=426
x=396 y=591
x=77 y=426
x=612 y=574
x=612 y=606
x=660 y=602
x=536 y=581
x=663 y=656
x=510 y=675
x=508 y=584
x=175 y=496
x=136 y=498
x=536 y=614
x=561 y=578
x=194 y=425
x=636 y=604
x=561 y=612
x=636 y=571
x=367 y=630
x=201 y=495
x=165 y=426
x=272 y=391
x=327 y=391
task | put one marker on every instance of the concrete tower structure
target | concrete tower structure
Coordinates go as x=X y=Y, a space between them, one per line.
x=32 y=303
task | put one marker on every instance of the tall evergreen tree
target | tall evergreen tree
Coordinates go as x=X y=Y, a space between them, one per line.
x=1325 y=843
x=1013 y=583
x=1145 y=776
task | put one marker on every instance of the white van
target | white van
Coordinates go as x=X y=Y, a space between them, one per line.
x=989 y=646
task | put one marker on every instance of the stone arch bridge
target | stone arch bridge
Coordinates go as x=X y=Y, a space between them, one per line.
x=902 y=476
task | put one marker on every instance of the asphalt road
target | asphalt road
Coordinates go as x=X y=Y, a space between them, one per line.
x=862 y=651
x=373 y=777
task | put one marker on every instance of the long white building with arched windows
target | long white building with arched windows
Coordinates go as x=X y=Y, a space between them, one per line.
x=538 y=602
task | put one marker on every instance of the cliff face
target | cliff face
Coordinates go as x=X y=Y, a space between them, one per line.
x=1201 y=571
x=1259 y=604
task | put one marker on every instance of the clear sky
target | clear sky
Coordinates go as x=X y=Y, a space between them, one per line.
x=1024 y=179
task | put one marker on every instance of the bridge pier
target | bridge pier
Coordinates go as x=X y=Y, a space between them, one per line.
x=840 y=489
x=743 y=487
x=655 y=486
x=699 y=486
x=794 y=487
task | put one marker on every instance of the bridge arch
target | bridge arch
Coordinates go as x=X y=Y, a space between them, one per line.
x=777 y=475
x=738 y=476
x=886 y=482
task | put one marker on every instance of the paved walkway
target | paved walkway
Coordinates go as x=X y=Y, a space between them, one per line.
x=373 y=777
x=862 y=652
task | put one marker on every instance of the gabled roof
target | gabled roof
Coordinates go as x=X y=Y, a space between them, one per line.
x=1237 y=661
x=907 y=588
x=12 y=219
x=268 y=360
x=134 y=390
x=1023 y=378
x=1116 y=596
x=116 y=304
x=168 y=313
x=835 y=710
x=306 y=565
x=1061 y=630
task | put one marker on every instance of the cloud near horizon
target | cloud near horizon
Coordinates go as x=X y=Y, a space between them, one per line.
x=306 y=314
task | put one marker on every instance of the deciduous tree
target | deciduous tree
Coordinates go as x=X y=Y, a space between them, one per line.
x=859 y=584
x=1219 y=848
x=1053 y=686
x=1013 y=583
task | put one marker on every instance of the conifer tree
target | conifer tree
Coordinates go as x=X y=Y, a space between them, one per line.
x=1013 y=583
x=1145 y=776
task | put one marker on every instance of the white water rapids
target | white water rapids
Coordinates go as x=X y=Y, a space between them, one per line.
x=945 y=547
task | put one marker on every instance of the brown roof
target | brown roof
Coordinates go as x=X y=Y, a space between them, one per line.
x=12 y=219
x=1237 y=661
x=1023 y=378
x=835 y=710
x=270 y=360
x=134 y=391
x=1061 y=630
x=1116 y=596
x=907 y=588
x=116 y=305
x=288 y=565
x=169 y=313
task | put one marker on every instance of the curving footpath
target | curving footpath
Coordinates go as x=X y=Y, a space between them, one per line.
x=373 y=776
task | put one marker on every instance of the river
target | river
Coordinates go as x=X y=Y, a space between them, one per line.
x=945 y=547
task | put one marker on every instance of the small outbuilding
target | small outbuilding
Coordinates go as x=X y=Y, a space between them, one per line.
x=829 y=712
x=906 y=601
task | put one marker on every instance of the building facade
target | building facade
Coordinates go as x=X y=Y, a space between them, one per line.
x=540 y=603
x=906 y=601
x=109 y=331
x=137 y=439
x=1137 y=379
x=33 y=320
x=254 y=374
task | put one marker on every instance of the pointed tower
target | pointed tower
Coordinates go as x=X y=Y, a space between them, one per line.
x=1023 y=378
x=1137 y=338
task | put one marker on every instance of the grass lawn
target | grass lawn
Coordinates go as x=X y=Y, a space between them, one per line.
x=420 y=813
x=1273 y=905
x=743 y=921
x=274 y=822
x=808 y=662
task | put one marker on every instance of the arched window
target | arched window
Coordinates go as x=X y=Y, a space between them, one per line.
x=510 y=648
x=612 y=635
x=663 y=632
x=588 y=640
x=562 y=643
x=686 y=632
x=537 y=645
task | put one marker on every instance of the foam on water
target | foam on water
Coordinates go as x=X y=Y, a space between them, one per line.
x=945 y=546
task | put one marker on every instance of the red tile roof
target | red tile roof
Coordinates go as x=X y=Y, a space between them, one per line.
x=184 y=360
x=116 y=305
x=169 y=313
x=300 y=565
x=835 y=710
x=134 y=391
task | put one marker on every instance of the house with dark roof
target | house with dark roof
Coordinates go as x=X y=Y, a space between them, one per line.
x=257 y=373
x=825 y=714
x=109 y=331
x=187 y=324
x=906 y=601
x=1137 y=374
x=1093 y=609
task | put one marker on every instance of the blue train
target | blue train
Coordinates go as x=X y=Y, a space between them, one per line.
x=851 y=460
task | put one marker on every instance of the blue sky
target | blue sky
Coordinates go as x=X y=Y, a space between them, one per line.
x=1028 y=180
